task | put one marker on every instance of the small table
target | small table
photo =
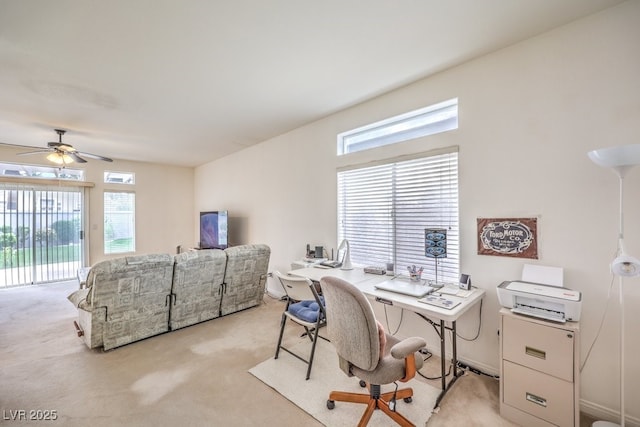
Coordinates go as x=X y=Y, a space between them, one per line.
x=82 y=276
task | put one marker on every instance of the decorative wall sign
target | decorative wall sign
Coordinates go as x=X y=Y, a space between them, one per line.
x=511 y=237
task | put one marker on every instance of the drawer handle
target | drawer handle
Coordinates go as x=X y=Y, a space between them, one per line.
x=536 y=399
x=535 y=352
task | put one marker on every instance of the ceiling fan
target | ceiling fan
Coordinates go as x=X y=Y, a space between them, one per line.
x=64 y=154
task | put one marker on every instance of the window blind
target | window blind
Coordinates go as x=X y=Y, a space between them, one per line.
x=383 y=211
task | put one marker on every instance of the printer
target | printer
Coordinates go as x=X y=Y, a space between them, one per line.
x=548 y=302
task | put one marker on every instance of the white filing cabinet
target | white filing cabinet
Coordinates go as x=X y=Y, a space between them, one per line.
x=539 y=371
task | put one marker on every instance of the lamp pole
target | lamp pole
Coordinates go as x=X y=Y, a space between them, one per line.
x=620 y=159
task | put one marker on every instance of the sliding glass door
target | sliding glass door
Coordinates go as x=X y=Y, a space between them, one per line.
x=41 y=233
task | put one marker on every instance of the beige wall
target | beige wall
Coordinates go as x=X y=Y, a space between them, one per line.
x=528 y=116
x=164 y=202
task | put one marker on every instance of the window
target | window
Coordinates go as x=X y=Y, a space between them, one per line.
x=433 y=119
x=119 y=177
x=15 y=170
x=119 y=222
x=383 y=211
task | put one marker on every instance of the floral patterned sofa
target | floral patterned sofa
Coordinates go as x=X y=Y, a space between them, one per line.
x=131 y=298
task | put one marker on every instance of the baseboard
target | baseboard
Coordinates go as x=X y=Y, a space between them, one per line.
x=479 y=366
x=276 y=293
x=606 y=414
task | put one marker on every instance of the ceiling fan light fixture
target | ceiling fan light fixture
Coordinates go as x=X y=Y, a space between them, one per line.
x=60 y=159
x=63 y=154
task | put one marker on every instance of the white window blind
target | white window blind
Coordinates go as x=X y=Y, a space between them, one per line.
x=383 y=211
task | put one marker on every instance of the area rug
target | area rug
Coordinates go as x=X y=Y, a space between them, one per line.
x=286 y=375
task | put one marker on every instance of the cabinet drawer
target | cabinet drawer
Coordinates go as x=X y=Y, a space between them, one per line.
x=542 y=396
x=544 y=348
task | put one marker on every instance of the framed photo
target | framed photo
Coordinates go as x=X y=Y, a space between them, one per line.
x=510 y=237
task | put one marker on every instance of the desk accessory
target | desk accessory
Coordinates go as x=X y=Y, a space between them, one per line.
x=415 y=273
x=331 y=264
x=375 y=270
x=390 y=270
x=465 y=282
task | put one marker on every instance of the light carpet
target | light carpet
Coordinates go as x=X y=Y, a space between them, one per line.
x=287 y=374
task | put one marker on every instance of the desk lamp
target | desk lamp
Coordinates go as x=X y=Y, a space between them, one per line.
x=346 y=260
x=620 y=159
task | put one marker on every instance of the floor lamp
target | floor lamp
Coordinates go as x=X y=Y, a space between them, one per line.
x=620 y=159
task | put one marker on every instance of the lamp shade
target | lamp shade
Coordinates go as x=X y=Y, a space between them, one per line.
x=625 y=265
x=620 y=158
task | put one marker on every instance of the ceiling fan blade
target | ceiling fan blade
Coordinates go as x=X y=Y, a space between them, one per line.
x=74 y=155
x=44 y=150
x=95 y=156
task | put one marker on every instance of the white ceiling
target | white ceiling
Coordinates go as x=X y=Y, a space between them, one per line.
x=186 y=82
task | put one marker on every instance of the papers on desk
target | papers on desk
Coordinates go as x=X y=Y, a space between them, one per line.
x=451 y=290
x=439 y=302
x=439 y=297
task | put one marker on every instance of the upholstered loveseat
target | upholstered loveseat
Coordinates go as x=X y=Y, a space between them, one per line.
x=131 y=298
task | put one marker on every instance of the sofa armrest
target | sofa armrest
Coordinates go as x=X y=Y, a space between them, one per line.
x=79 y=297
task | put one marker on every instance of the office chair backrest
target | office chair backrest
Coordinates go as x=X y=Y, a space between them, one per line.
x=296 y=288
x=351 y=323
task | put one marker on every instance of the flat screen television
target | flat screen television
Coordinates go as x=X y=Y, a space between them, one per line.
x=213 y=230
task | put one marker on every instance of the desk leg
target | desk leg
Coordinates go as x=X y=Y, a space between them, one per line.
x=454 y=360
x=454 y=349
x=442 y=333
x=443 y=367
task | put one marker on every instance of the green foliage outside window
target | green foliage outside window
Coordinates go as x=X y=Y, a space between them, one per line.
x=66 y=231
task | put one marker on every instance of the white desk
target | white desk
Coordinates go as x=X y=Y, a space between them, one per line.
x=366 y=283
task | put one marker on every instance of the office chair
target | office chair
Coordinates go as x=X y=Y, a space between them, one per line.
x=304 y=307
x=367 y=352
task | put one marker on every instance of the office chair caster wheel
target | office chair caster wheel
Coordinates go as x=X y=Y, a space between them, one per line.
x=331 y=404
x=408 y=399
x=363 y=384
